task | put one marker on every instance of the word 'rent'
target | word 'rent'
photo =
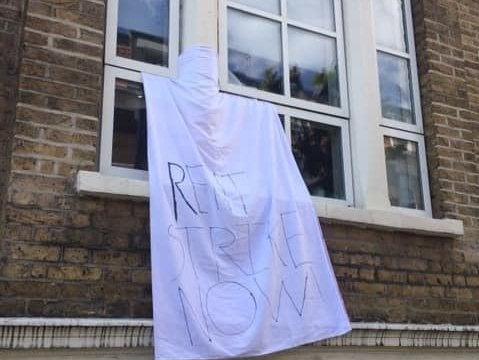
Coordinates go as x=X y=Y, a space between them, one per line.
x=190 y=187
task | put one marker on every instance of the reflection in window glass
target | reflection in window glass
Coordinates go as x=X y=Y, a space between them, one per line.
x=404 y=181
x=318 y=153
x=389 y=24
x=254 y=52
x=318 y=13
x=142 y=32
x=129 y=129
x=313 y=74
x=395 y=88
x=272 y=6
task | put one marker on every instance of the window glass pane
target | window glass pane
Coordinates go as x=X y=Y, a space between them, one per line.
x=254 y=52
x=129 y=129
x=319 y=13
x=281 y=119
x=318 y=153
x=142 y=32
x=389 y=24
x=313 y=73
x=395 y=88
x=404 y=180
x=272 y=6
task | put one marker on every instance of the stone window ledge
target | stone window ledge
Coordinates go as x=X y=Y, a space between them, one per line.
x=68 y=333
x=97 y=184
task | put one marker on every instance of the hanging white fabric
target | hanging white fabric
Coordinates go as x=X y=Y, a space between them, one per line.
x=239 y=264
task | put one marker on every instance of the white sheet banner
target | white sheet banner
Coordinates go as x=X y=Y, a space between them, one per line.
x=239 y=265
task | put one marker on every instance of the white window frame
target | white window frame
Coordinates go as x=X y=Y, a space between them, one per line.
x=415 y=98
x=405 y=131
x=117 y=67
x=423 y=172
x=106 y=148
x=287 y=105
x=286 y=99
x=173 y=42
x=343 y=124
x=360 y=118
x=410 y=57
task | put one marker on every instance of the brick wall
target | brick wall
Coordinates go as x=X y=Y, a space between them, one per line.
x=447 y=35
x=10 y=36
x=448 y=47
x=67 y=256
x=398 y=277
x=84 y=256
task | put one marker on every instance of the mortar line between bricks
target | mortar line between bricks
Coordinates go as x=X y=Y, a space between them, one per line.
x=68 y=129
x=59 y=36
x=64 y=22
x=98 y=32
x=56 y=97
x=56 y=144
x=77 y=55
x=45 y=157
x=57 y=112
x=49 y=158
x=32 y=173
x=69 y=84
x=455 y=150
x=49 y=80
x=36 y=61
x=47 y=96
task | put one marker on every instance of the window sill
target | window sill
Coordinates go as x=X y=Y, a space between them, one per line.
x=388 y=220
x=97 y=184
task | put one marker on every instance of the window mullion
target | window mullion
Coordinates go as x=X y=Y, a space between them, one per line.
x=400 y=54
x=285 y=50
x=341 y=55
x=413 y=67
x=111 y=31
x=223 y=43
x=174 y=41
x=200 y=23
x=106 y=145
x=368 y=159
x=254 y=11
x=287 y=128
x=314 y=29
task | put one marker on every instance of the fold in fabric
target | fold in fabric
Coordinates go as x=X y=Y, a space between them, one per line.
x=239 y=264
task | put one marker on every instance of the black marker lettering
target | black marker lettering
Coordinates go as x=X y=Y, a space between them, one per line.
x=175 y=186
x=290 y=235
x=200 y=189
x=185 y=303
x=299 y=308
